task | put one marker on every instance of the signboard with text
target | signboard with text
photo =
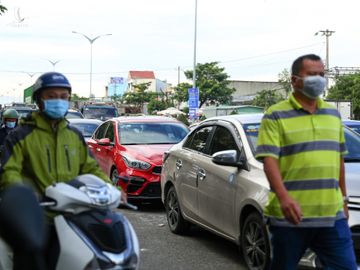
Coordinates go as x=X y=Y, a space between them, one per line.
x=193 y=103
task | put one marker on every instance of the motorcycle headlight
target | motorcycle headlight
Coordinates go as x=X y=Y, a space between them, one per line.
x=136 y=164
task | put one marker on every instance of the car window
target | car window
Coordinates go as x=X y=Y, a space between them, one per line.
x=197 y=141
x=355 y=128
x=99 y=112
x=222 y=140
x=73 y=115
x=110 y=132
x=151 y=133
x=352 y=140
x=86 y=129
x=100 y=132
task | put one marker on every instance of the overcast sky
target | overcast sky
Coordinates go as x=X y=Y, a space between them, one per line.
x=252 y=40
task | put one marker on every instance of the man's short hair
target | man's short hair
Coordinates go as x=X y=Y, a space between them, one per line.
x=298 y=63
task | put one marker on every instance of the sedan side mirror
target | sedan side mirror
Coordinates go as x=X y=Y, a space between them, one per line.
x=105 y=142
x=227 y=158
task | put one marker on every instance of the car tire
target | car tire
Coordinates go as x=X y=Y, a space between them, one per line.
x=255 y=245
x=114 y=176
x=176 y=221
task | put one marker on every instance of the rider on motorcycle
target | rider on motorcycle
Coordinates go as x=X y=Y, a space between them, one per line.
x=44 y=149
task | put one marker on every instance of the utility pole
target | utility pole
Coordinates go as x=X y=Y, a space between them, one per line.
x=327 y=33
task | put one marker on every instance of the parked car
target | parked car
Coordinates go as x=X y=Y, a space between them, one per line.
x=85 y=126
x=99 y=111
x=353 y=124
x=212 y=179
x=73 y=114
x=130 y=151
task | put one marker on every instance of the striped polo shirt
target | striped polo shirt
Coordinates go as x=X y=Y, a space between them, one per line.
x=308 y=148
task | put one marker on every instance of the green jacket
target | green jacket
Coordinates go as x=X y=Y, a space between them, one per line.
x=39 y=155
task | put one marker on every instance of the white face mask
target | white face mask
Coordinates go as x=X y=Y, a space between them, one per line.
x=313 y=86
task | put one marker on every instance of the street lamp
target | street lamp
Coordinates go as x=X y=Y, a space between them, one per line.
x=53 y=63
x=91 y=40
x=195 y=33
x=327 y=33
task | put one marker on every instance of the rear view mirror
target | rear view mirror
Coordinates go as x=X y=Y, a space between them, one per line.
x=105 y=142
x=227 y=158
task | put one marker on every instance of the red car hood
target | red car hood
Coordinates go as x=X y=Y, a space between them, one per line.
x=151 y=152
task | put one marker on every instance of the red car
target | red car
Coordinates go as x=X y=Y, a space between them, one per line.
x=130 y=151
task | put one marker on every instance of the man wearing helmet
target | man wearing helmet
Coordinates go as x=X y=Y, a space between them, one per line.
x=9 y=118
x=45 y=149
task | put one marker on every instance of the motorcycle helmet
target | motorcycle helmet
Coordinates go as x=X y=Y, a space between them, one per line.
x=50 y=80
x=10 y=113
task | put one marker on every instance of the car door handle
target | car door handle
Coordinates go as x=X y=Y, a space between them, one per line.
x=201 y=174
x=178 y=164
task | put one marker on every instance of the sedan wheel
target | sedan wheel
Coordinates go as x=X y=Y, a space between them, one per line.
x=177 y=223
x=255 y=243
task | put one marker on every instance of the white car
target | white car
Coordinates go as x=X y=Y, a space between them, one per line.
x=212 y=179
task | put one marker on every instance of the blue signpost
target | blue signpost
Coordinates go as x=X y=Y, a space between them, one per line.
x=193 y=103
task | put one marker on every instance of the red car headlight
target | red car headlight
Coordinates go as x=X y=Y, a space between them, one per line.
x=136 y=164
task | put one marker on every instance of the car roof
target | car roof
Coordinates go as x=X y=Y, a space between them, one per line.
x=147 y=118
x=348 y=121
x=248 y=118
x=84 y=120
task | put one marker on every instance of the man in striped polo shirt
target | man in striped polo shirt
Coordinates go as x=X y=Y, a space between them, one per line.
x=301 y=142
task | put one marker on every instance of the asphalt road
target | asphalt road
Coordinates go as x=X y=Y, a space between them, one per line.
x=163 y=250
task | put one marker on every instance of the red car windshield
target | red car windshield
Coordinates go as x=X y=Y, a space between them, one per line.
x=151 y=133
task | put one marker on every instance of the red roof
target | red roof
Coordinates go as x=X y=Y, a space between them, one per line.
x=141 y=74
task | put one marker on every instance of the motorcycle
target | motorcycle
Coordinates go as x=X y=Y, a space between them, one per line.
x=90 y=233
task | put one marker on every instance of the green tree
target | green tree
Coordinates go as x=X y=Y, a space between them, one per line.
x=139 y=96
x=347 y=87
x=181 y=92
x=2 y=9
x=76 y=97
x=156 y=105
x=285 y=81
x=266 y=98
x=211 y=81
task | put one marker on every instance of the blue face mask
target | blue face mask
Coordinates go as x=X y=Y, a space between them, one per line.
x=313 y=86
x=56 y=108
x=10 y=124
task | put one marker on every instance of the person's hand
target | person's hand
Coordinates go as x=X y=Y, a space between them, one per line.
x=291 y=209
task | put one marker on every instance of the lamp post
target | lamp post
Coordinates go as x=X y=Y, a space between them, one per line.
x=327 y=33
x=91 y=40
x=53 y=63
x=195 y=36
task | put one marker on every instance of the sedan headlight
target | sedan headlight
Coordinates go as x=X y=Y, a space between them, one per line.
x=136 y=164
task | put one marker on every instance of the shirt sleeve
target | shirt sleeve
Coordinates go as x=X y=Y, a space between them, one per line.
x=269 y=138
x=11 y=163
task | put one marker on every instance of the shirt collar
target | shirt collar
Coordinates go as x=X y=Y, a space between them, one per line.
x=297 y=106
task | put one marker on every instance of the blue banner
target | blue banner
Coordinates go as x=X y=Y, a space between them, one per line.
x=193 y=102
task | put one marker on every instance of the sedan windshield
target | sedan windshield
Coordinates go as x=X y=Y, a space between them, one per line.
x=352 y=141
x=151 y=133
